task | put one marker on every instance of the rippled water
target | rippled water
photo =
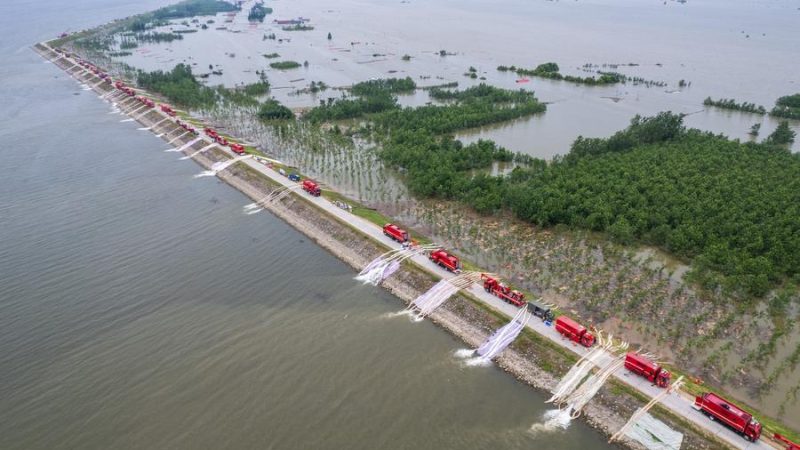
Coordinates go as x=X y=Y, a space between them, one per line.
x=140 y=308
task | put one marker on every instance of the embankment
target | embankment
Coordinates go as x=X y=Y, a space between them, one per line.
x=532 y=359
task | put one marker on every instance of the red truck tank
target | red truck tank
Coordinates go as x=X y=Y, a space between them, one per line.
x=237 y=148
x=446 y=260
x=505 y=293
x=717 y=408
x=221 y=140
x=393 y=231
x=211 y=133
x=119 y=85
x=312 y=188
x=167 y=109
x=654 y=373
x=574 y=331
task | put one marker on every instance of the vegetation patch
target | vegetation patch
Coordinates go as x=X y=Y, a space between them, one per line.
x=298 y=27
x=390 y=85
x=274 y=110
x=285 y=65
x=551 y=70
x=787 y=107
x=729 y=103
x=258 y=12
x=179 y=85
x=187 y=8
x=730 y=207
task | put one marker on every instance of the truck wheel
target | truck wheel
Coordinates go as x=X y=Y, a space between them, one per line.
x=710 y=417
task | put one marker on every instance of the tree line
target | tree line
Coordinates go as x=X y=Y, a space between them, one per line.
x=551 y=71
x=729 y=103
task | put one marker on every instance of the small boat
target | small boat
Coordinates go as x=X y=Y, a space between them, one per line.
x=523 y=80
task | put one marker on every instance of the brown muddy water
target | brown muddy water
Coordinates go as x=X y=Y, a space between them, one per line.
x=140 y=308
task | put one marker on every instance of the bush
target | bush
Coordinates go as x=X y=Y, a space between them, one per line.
x=273 y=110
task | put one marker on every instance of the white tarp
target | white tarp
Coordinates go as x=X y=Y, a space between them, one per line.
x=654 y=434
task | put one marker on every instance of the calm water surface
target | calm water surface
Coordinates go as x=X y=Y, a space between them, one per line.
x=140 y=308
x=741 y=49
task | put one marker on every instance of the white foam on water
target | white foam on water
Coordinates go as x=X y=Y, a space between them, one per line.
x=206 y=173
x=126 y=120
x=251 y=206
x=553 y=420
x=478 y=361
x=394 y=315
x=464 y=353
x=253 y=211
x=143 y=128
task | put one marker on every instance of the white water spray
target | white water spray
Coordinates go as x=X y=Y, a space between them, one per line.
x=126 y=120
x=426 y=303
x=153 y=126
x=385 y=265
x=184 y=146
x=552 y=421
x=178 y=137
x=219 y=166
x=195 y=153
x=501 y=338
x=575 y=390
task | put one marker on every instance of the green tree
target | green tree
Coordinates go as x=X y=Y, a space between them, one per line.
x=782 y=135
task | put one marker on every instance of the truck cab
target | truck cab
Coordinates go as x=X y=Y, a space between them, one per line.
x=312 y=188
x=446 y=260
x=396 y=233
x=574 y=331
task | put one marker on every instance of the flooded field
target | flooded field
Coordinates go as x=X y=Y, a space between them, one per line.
x=720 y=49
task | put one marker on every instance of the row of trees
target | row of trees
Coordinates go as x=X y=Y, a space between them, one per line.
x=482 y=92
x=551 y=71
x=729 y=103
x=384 y=85
x=442 y=119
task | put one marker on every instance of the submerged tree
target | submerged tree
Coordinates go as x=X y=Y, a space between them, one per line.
x=782 y=135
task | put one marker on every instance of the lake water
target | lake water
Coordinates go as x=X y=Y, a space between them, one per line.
x=742 y=49
x=140 y=308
